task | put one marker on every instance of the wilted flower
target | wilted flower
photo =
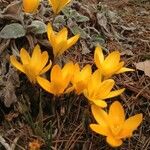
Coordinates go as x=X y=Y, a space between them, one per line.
x=97 y=90
x=113 y=124
x=32 y=66
x=59 y=41
x=58 y=5
x=35 y=145
x=111 y=64
x=30 y=6
x=81 y=78
x=59 y=79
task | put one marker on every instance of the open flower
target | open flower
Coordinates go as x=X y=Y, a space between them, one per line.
x=59 y=41
x=30 y=6
x=97 y=90
x=81 y=78
x=32 y=66
x=59 y=79
x=113 y=124
x=58 y=5
x=111 y=64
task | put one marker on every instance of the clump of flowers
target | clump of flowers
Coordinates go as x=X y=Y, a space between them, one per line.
x=96 y=86
x=113 y=124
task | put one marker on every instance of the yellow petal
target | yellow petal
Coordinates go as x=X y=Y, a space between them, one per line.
x=44 y=59
x=112 y=59
x=105 y=89
x=68 y=70
x=68 y=90
x=30 y=72
x=100 y=103
x=115 y=93
x=54 y=4
x=130 y=125
x=60 y=41
x=55 y=72
x=111 y=64
x=30 y=6
x=50 y=32
x=76 y=68
x=58 y=88
x=79 y=87
x=62 y=4
x=93 y=85
x=124 y=69
x=113 y=142
x=95 y=80
x=99 y=129
x=36 y=56
x=97 y=77
x=116 y=114
x=62 y=34
x=45 y=69
x=70 y=42
x=76 y=74
x=85 y=73
x=45 y=84
x=111 y=70
x=16 y=64
x=100 y=115
x=25 y=57
x=86 y=94
x=98 y=56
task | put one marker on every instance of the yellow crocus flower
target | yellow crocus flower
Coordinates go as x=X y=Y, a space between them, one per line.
x=97 y=90
x=59 y=79
x=59 y=41
x=32 y=66
x=113 y=124
x=111 y=64
x=30 y=6
x=81 y=78
x=58 y=5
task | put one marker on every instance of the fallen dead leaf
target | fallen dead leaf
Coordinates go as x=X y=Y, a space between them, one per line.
x=144 y=66
x=8 y=84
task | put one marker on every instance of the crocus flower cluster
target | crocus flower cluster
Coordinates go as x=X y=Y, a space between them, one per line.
x=96 y=86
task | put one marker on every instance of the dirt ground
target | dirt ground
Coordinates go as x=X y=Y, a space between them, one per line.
x=117 y=24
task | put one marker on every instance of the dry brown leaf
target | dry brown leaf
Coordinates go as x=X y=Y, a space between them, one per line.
x=8 y=84
x=13 y=11
x=11 y=116
x=144 y=66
